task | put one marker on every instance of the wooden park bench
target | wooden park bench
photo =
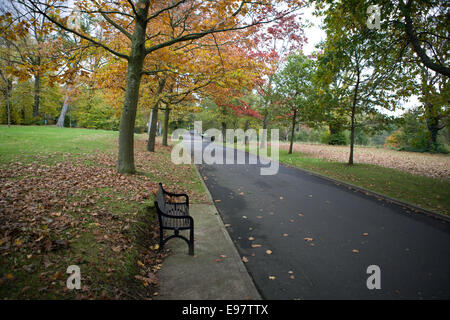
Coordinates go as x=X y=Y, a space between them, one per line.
x=174 y=215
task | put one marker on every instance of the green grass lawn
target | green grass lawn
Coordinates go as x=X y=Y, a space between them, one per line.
x=24 y=143
x=63 y=203
x=425 y=192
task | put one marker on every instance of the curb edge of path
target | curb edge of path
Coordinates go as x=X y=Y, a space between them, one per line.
x=237 y=257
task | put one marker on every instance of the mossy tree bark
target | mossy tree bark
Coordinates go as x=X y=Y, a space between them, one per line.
x=125 y=162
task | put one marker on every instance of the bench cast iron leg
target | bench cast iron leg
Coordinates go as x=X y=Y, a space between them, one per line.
x=161 y=240
x=191 y=241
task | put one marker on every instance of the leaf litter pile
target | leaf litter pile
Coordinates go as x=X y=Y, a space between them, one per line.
x=82 y=212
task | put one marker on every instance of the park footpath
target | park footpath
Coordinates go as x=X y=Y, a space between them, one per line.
x=215 y=272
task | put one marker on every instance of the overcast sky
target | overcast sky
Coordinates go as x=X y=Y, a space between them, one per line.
x=313 y=33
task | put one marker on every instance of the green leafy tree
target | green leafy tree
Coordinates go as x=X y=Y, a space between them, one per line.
x=359 y=66
x=294 y=87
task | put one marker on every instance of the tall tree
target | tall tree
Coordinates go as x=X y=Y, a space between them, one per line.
x=271 y=46
x=435 y=98
x=140 y=22
x=35 y=51
x=362 y=61
x=294 y=86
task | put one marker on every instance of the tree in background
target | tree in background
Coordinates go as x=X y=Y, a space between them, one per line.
x=140 y=26
x=362 y=61
x=435 y=98
x=34 y=49
x=294 y=88
x=271 y=46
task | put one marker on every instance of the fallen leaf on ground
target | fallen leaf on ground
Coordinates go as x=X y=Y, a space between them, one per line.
x=256 y=245
x=308 y=239
x=269 y=251
x=244 y=259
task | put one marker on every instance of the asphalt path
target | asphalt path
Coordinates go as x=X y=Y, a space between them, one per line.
x=305 y=237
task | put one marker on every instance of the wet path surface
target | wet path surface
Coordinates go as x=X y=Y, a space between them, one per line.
x=322 y=237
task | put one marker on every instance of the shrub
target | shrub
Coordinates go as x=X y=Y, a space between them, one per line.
x=336 y=139
x=302 y=135
x=392 y=141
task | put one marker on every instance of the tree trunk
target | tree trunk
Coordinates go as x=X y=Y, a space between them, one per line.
x=224 y=132
x=294 y=120
x=166 y=125
x=352 y=127
x=432 y=120
x=263 y=141
x=152 y=132
x=64 y=109
x=246 y=125
x=125 y=161
x=8 y=100
x=352 y=136
x=37 y=91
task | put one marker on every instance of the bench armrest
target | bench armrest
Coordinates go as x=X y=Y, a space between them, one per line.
x=170 y=194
